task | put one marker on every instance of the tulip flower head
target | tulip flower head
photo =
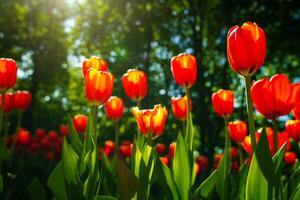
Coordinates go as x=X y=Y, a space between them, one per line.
x=109 y=147
x=275 y=97
x=234 y=152
x=114 y=108
x=80 y=123
x=172 y=148
x=95 y=63
x=160 y=148
x=296 y=111
x=290 y=158
x=179 y=107
x=21 y=100
x=135 y=84
x=8 y=102
x=40 y=133
x=64 y=129
x=184 y=69
x=237 y=131
x=223 y=101
x=125 y=149
x=23 y=137
x=292 y=127
x=8 y=73
x=165 y=160
x=151 y=121
x=246 y=48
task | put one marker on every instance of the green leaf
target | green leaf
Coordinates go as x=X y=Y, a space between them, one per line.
x=261 y=172
x=73 y=136
x=56 y=182
x=223 y=177
x=242 y=180
x=127 y=181
x=104 y=197
x=296 y=193
x=69 y=163
x=182 y=168
x=278 y=160
x=206 y=188
x=36 y=190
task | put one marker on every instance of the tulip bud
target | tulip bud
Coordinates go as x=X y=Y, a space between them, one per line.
x=114 y=108
x=135 y=84
x=21 y=100
x=237 y=131
x=23 y=137
x=8 y=73
x=80 y=123
x=95 y=63
x=160 y=148
x=8 y=104
x=179 y=107
x=64 y=130
x=223 y=101
x=290 y=158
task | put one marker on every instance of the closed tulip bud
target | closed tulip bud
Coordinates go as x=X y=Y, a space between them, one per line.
x=80 y=123
x=234 y=153
x=40 y=133
x=8 y=102
x=165 y=160
x=246 y=48
x=23 y=137
x=179 y=107
x=98 y=86
x=160 y=148
x=21 y=100
x=290 y=158
x=95 y=63
x=135 y=84
x=53 y=136
x=125 y=150
x=109 y=147
x=292 y=127
x=172 y=148
x=64 y=130
x=235 y=166
x=184 y=69
x=8 y=73
x=151 y=121
x=237 y=131
x=223 y=101
x=203 y=162
x=275 y=97
x=49 y=156
x=114 y=108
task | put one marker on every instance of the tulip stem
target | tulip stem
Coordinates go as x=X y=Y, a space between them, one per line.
x=250 y=112
x=240 y=154
x=5 y=123
x=2 y=110
x=116 y=136
x=95 y=117
x=275 y=135
x=227 y=143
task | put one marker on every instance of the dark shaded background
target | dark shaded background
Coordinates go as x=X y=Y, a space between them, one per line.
x=50 y=39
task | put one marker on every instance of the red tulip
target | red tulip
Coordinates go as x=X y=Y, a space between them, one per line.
x=95 y=63
x=109 y=147
x=234 y=152
x=290 y=158
x=49 y=156
x=237 y=131
x=172 y=148
x=151 y=121
x=223 y=101
x=114 y=108
x=164 y=160
x=64 y=129
x=203 y=162
x=8 y=73
x=184 y=69
x=235 y=166
x=8 y=102
x=125 y=150
x=98 y=86
x=197 y=168
x=23 y=137
x=40 y=133
x=292 y=127
x=296 y=111
x=160 y=148
x=53 y=136
x=21 y=100
x=135 y=84
x=179 y=107
x=275 y=97
x=80 y=123
x=246 y=48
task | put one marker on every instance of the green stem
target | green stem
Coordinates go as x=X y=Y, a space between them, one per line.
x=227 y=145
x=250 y=112
x=138 y=104
x=2 y=110
x=188 y=107
x=5 y=125
x=275 y=135
x=95 y=118
x=116 y=136
x=240 y=154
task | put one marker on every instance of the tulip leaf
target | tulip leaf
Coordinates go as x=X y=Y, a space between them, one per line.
x=278 y=160
x=69 y=163
x=56 y=182
x=182 y=168
x=128 y=183
x=296 y=193
x=189 y=135
x=261 y=172
x=207 y=186
x=223 y=171
x=36 y=190
x=242 y=180
x=104 y=197
x=73 y=136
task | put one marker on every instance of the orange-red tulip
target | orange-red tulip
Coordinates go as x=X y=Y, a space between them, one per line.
x=23 y=137
x=237 y=131
x=94 y=62
x=296 y=111
x=114 y=108
x=179 y=107
x=135 y=84
x=172 y=148
x=290 y=158
x=64 y=129
x=246 y=48
x=275 y=97
x=8 y=102
x=234 y=152
x=109 y=147
x=125 y=149
x=160 y=148
x=21 y=100
x=80 y=123
x=292 y=127
x=223 y=101
x=151 y=121
x=203 y=162
x=184 y=69
x=98 y=86
x=8 y=73
x=164 y=160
